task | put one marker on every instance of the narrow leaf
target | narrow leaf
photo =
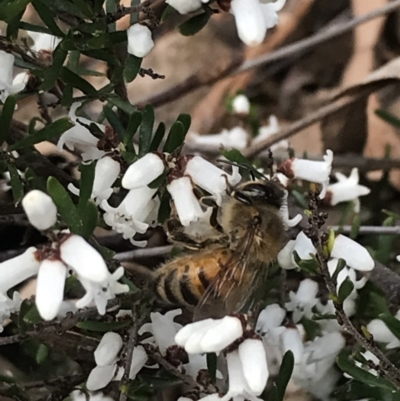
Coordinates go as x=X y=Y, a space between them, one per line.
x=17 y=186
x=132 y=67
x=65 y=206
x=285 y=373
x=392 y=323
x=90 y=218
x=186 y=120
x=6 y=117
x=212 y=365
x=114 y=121
x=134 y=121
x=53 y=72
x=9 y=9
x=146 y=130
x=388 y=117
x=158 y=137
x=78 y=82
x=48 y=17
x=48 y=132
x=194 y=24
x=103 y=327
x=346 y=288
x=86 y=184
x=349 y=367
x=175 y=138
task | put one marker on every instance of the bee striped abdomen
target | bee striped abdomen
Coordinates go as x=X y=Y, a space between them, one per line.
x=183 y=281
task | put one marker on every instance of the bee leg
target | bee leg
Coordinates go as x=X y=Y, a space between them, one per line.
x=229 y=187
x=175 y=233
x=209 y=201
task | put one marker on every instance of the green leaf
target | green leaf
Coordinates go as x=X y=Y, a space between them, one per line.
x=175 y=137
x=114 y=121
x=300 y=199
x=311 y=327
x=132 y=67
x=348 y=366
x=48 y=17
x=68 y=94
x=6 y=117
x=194 y=24
x=78 y=82
x=308 y=265
x=234 y=155
x=103 y=327
x=165 y=208
x=158 y=137
x=41 y=354
x=186 y=120
x=392 y=323
x=16 y=184
x=341 y=264
x=52 y=74
x=111 y=8
x=161 y=379
x=388 y=117
x=122 y=105
x=32 y=316
x=84 y=8
x=134 y=121
x=345 y=289
x=65 y=206
x=48 y=132
x=285 y=372
x=86 y=184
x=146 y=130
x=34 y=28
x=33 y=180
x=212 y=365
x=9 y=9
x=90 y=218
x=355 y=227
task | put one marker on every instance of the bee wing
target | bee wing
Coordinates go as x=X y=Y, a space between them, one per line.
x=232 y=287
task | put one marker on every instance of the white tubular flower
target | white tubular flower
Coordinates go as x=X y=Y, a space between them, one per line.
x=8 y=86
x=347 y=189
x=101 y=292
x=210 y=177
x=302 y=245
x=140 y=42
x=135 y=213
x=143 y=171
x=107 y=351
x=163 y=328
x=382 y=334
x=343 y=274
x=250 y=21
x=254 y=364
x=43 y=41
x=106 y=172
x=302 y=302
x=16 y=270
x=210 y=335
x=269 y=318
x=79 y=137
x=79 y=395
x=241 y=105
x=290 y=340
x=314 y=372
x=185 y=6
x=8 y=306
x=239 y=386
x=40 y=209
x=50 y=288
x=84 y=259
x=270 y=12
x=269 y=130
x=186 y=204
x=100 y=377
x=139 y=359
x=309 y=170
x=284 y=211
x=355 y=255
x=235 y=138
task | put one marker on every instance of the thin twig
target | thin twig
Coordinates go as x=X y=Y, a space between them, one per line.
x=194 y=82
x=136 y=254
x=316 y=220
x=157 y=357
x=373 y=230
x=130 y=345
x=122 y=11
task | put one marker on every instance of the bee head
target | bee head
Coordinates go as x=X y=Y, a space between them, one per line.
x=253 y=192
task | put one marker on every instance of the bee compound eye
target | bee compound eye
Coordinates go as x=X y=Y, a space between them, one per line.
x=241 y=197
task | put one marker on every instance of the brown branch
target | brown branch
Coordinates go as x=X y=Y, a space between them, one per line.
x=143 y=253
x=316 y=220
x=373 y=230
x=195 y=81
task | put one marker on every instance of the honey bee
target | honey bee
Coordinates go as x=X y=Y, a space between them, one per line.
x=221 y=278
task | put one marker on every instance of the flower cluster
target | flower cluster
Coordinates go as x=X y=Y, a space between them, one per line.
x=52 y=264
